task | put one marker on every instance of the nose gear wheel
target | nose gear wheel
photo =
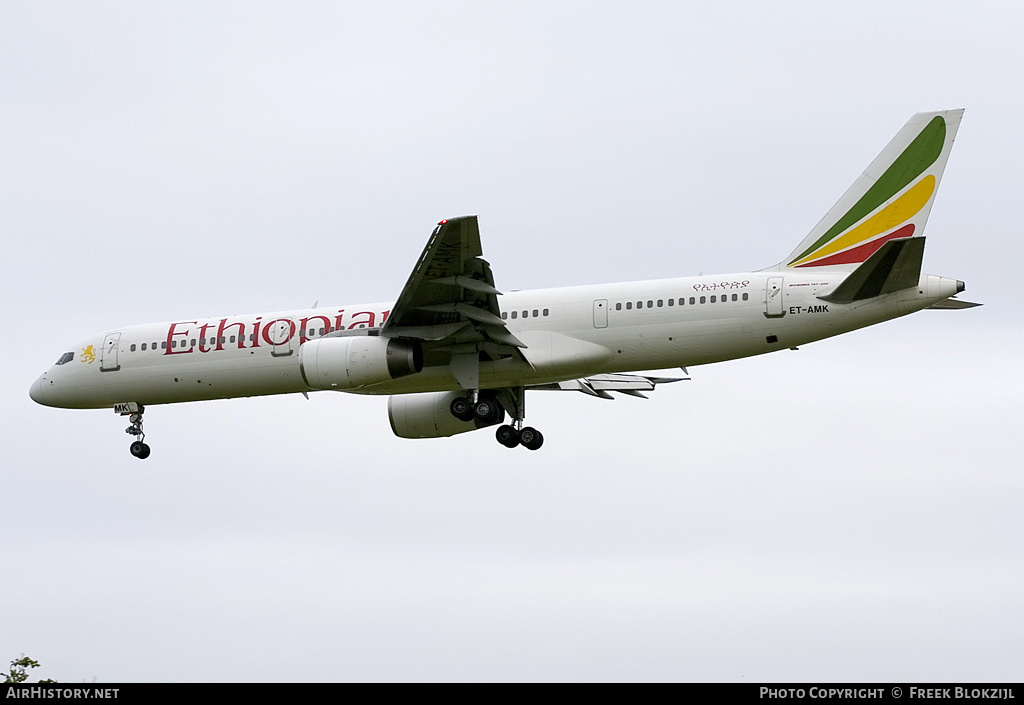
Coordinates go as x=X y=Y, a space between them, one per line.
x=138 y=448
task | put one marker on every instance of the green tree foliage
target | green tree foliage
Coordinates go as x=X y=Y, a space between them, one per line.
x=19 y=670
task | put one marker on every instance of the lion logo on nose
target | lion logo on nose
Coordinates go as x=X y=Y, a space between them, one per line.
x=89 y=354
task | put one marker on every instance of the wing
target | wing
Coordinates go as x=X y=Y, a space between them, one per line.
x=601 y=385
x=450 y=305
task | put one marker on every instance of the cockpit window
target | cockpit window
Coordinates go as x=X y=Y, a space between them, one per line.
x=66 y=357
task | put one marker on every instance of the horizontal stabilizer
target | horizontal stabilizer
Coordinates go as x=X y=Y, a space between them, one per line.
x=953 y=304
x=896 y=266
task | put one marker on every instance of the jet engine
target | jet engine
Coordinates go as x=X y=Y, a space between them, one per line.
x=429 y=415
x=352 y=362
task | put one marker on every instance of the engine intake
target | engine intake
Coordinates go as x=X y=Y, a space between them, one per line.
x=352 y=362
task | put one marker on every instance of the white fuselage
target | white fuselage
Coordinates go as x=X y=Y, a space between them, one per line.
x=569 y=333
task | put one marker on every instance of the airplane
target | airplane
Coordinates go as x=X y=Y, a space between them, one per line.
x=454 y=358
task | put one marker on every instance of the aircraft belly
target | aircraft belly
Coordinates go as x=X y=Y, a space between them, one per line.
x=809 y=319
x=493 y=375
x=167 y=382
x=559 y=355
x=234 y=378
x=678 y=343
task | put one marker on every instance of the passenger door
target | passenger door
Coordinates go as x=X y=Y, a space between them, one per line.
x=108 y=353
x=773 y=307
x=601 y=313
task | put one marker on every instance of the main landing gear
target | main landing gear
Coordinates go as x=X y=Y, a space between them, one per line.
x=487 y=410
x=511 y=436
x=138 y=448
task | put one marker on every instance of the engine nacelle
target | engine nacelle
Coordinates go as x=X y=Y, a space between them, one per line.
x=351 y=362
x=429 y=415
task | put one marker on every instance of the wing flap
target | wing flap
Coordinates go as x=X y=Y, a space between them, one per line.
x=601 y=385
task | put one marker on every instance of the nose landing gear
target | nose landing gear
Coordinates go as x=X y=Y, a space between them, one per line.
x=138 y=448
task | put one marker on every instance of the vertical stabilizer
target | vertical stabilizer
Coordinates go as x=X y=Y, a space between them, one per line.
x=890 y=201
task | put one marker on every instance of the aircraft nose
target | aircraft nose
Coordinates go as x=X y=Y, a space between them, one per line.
x=36 y=391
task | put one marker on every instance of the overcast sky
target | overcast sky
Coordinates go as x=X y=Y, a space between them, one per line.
x=849 y=511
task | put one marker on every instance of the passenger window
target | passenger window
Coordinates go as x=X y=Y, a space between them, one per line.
x=132 y=347
x=153 y=346
x=671 y=302
x=745 y=297
x=545 y=312
x=650 y=304
x=660 y=303
x=504 y=315
x=618 y=306
x=163 y=345
x=535 y=313
x=712 y=300
x=629 y=305
x=526 y=314
x=143 y=346
x=639 y=304
x=514 y=315
x=193 y=342
x=703 y=299
x=692 y=300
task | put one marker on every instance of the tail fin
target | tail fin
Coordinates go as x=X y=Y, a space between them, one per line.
x=891 y=199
